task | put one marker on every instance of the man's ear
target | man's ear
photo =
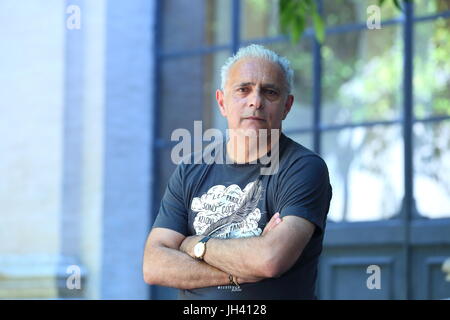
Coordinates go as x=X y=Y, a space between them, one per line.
x=220 y=102
x=288 y=105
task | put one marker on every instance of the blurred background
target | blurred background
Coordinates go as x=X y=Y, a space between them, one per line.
x=91 y=90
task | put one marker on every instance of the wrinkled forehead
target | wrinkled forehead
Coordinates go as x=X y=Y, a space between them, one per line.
x=259 y=71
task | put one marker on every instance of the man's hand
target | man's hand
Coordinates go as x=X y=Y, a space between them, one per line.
x=274 y=221
x=188 y=244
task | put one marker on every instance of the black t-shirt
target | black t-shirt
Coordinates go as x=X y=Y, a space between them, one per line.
x=202 y=198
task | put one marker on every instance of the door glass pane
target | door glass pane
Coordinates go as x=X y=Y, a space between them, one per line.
x=259 y=19
x=366 y=172
x=190 y=24
x=165 y=168
x=432 y=68
x=211 y=116
x=432 y=168
x=187 y=92
x=362 y=76
x=338 y=12
x=300 y=56
x=427 y=7
x=305 y=139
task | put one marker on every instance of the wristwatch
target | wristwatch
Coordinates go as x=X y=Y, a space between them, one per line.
x=200 y=248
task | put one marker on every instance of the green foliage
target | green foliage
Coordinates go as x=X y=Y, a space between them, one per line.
x=396 y=3
x=295 y=15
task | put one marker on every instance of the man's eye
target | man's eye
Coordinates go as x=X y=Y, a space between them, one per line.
x=271 y=92
x=242 y=89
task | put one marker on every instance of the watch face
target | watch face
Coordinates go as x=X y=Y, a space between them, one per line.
x=199 y=249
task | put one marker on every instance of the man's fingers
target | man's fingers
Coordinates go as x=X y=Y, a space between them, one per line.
x=268 y=225
x=272 y=223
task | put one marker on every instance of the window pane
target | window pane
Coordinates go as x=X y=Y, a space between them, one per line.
x=426 y=7
x=305 y=139
x=188 y=25
x=259 y=19
x=432 y=68
x=432 y=168
x=339 y=12
x=187 y=92
x=300 y=56
x=212 y=113
x=362 y=76
x=366 y=172
x=165 y=168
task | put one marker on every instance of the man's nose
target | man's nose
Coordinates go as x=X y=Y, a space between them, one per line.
x=256 y=100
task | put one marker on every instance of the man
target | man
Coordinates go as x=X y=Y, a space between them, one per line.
x=226 y=231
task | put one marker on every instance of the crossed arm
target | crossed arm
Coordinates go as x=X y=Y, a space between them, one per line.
x=168 y=256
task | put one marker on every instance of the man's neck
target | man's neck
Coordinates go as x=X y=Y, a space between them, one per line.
x=244 y=149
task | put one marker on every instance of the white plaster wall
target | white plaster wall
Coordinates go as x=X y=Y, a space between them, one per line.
x=93 y=28
x=31 y=104
x=93 y=210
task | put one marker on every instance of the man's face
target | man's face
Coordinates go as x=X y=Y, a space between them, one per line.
x=255 y=95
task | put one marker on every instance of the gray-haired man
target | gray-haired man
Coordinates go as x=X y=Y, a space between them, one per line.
x=226 y=231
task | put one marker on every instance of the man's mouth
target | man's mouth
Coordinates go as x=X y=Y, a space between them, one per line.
x=255 y=118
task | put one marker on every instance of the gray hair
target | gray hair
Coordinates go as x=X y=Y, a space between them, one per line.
x=258 y=51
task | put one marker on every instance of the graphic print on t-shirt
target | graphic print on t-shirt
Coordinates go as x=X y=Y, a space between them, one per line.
x=228 y=212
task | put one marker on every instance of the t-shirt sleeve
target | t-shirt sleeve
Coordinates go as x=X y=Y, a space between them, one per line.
x=172 y=213
x=305 y=190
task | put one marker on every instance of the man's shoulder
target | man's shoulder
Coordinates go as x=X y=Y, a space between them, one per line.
x=299 y=162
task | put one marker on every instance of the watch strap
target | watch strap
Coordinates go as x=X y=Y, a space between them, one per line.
x=205 y=239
